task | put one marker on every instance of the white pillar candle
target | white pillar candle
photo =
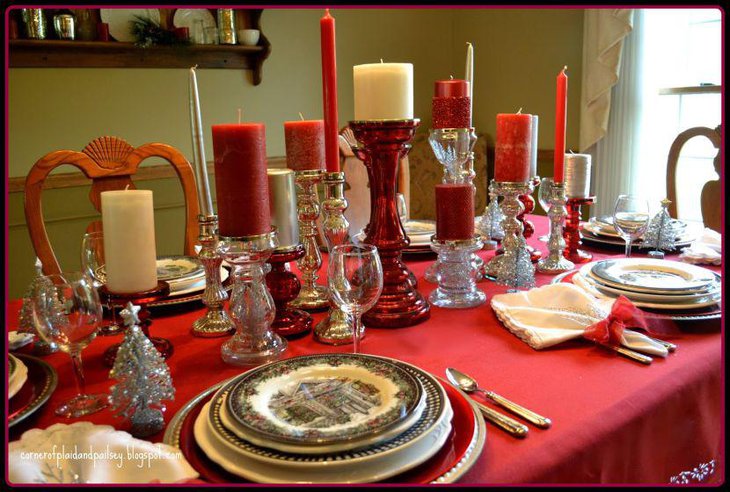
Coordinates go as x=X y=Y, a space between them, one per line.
x=577 y=175
x=533 y=147
x=283 y=206
x=469 y=77
x=383 y=91
x=129 y=240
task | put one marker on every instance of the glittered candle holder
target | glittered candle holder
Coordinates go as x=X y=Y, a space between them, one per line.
x=513 y=268
x=555 y=262
x=337 y=327
x=528 y=228
x=457 y=276
x=141 y=299
x=215 y=322
x=572 y=231
x=312 y=297
x=382 y=144
x=251 y=306
x=284 y=287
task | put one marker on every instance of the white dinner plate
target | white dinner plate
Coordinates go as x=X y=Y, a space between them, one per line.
x=120 y=21
x=653 y=275
x=197 y=286
x=187 y=18
x=17 y=375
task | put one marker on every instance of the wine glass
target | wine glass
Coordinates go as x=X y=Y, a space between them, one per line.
x=630 y=218
x=355 y=279
x=543 y=198
x=67 y=311
x=92 y=261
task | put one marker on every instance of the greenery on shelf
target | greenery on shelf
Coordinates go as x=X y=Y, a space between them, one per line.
x=148 y=33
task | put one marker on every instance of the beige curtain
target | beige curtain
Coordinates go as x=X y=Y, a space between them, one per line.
x=604 y=31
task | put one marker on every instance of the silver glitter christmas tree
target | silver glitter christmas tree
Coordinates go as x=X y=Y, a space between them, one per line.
x=516 y=270
x=25 y=325
x=660 y=235
x=490 y=223
x=143 y=379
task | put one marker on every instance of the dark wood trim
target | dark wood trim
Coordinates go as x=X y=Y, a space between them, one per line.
x=74 y=179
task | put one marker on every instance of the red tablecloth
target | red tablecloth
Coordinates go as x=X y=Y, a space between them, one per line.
x=614 y=420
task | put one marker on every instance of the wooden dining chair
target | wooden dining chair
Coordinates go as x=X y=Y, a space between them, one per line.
x=710 y=196
x=110 y=163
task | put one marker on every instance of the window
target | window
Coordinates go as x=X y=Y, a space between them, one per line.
x=680 y=88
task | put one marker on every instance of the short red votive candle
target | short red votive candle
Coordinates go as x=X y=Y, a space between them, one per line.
x=454 y=212
x=102 y=31
x=304 y=142
x=512 y=148
x=182 y=33
x=451 y=104
x=242 y=186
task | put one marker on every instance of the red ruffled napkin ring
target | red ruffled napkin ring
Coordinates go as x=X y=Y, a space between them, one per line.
x=623 y=315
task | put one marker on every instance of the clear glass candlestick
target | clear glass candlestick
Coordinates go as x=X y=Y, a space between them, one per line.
x=456 y=274
x=251 y=307
x=555 y=262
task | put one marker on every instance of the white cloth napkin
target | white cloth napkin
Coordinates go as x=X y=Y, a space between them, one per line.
x=17 y=340
x=83 y=452
x=706 y=249
x=552 y=314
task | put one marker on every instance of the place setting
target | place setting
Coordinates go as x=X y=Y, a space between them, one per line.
x=31 y=382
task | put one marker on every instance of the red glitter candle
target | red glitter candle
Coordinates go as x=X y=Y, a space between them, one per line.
x=451 y=104
x=454 y=212
x=512 y=149
x=242 y=186
x=304 y=145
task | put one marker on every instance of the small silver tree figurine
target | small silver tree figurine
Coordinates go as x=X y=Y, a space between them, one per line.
x=143 y=379
x=660 y=235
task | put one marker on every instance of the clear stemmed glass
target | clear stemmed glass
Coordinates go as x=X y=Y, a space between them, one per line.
x=355 y=278
x=67 y=311
x=630 y=218
x=543 y=198
x=92 y=261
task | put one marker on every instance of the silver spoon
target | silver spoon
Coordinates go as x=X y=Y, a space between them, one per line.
x=470 y=385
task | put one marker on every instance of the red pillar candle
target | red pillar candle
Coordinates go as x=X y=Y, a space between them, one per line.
x=329 y=92
x=305 y=144
x=454 y=212
x=512 y=150
x=451 y=104
x=561 y=103
x=241 y=183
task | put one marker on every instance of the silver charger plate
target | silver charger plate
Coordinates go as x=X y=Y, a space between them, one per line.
x=653 y=275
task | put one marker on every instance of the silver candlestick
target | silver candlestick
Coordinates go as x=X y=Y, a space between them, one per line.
x=512 y=268
x=555 y=262
x=312 y=296
x=216 y=322
x=337 y=328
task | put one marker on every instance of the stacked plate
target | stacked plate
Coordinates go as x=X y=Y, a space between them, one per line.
x=601 y=230
x=17 y=375
x=651 y=283
x=328 y=418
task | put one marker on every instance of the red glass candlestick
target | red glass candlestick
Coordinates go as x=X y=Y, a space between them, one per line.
x=142 y=299
x=384 y=143
x=571 y=230
x=284 y=287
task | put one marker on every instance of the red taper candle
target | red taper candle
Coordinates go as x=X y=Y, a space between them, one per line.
x=305 y=144
x=241 y=183
x=451 y=104
x=512 y=150
x=561 y=104
x=454 y=212
x=329 y=92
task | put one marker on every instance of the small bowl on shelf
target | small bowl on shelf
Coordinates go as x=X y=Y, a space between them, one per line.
x=249 y=37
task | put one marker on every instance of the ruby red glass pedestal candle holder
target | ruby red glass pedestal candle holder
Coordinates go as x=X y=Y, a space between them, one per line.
x=571 y=230
x=141 y=299
x=284 y=287
x=382 y=144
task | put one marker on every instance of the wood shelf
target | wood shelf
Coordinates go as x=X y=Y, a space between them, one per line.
x=54 y=53
x=697 y=89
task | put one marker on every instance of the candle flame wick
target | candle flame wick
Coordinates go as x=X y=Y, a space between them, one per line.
x=126 y=188
x=571 y=151
x=565 y=67
x=519 y=111
x=468 y=43
x=240 y=115
x=451 y=77
x=326 y=11
x=194 y=67
x=301 y=116
x=381 y=60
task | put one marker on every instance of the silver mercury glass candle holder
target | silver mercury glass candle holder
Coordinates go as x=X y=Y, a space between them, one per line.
x=312 y=297
x=456 y=274
x=337 y=328
x=251 y=307
x=453 y=149
x=555 y=262
x=512 y=268
x=215 y=322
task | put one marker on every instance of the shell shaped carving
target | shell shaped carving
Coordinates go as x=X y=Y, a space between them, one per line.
x=109 y=152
